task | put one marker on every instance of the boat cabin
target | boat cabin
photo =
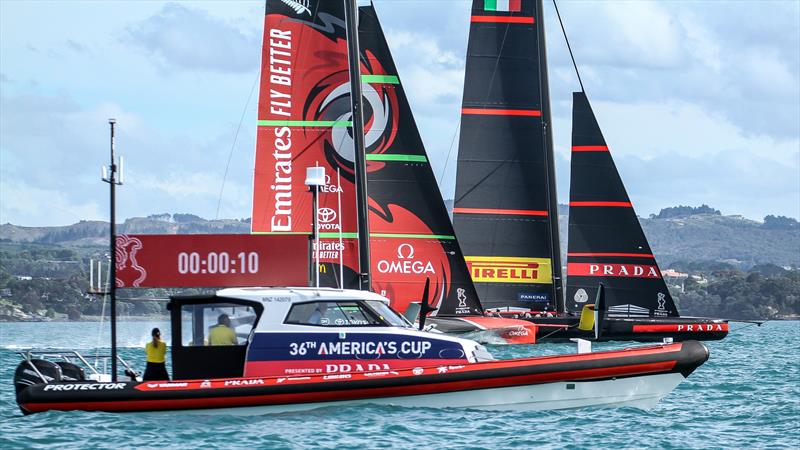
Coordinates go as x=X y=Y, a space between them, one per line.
x=254 y=332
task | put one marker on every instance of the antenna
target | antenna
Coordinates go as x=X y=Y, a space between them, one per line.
x=110 y=177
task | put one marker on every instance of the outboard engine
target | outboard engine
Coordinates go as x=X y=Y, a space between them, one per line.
x=71 y=372
x=25 y=375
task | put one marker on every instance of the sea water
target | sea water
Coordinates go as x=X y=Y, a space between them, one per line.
x=746 y=396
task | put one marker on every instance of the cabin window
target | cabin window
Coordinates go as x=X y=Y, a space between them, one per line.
x=216 y=324
x=332 y=314
x=388 y=314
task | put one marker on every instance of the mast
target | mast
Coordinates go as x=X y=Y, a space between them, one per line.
x=552 y=198
x=112 y=288
x=362 y=208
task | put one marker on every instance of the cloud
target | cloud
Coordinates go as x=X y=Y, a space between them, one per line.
x=54 y=147
x=433 y=80
x=681 y=129
x=743 y=66
x=31 y=205
x=191 y=39
x=430 y=74
x=76 y=46
x=698 y=100
x=679 y=152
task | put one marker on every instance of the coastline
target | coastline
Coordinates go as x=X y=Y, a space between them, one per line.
x=148 y=318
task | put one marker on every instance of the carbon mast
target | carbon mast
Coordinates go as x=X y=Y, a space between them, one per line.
x=362 y=207
x=550 y=171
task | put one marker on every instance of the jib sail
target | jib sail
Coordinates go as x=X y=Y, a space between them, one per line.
x=304 y=120
x=411 y=237
x=606 y=241
x=505 y=210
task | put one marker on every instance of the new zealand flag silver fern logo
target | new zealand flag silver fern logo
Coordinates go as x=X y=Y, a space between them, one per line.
x=299 y=6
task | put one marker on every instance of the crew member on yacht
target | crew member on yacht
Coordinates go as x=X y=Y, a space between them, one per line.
x=222 y=333
x=156 y=351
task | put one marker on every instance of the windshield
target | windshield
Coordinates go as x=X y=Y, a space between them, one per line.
x=387 y=314
x=333 y=314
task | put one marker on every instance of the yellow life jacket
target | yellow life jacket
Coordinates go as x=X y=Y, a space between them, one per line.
x=156 y=354
x=222 y=335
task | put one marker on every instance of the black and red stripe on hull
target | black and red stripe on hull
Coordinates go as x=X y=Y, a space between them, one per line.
x=645 y=329
x=230 y=393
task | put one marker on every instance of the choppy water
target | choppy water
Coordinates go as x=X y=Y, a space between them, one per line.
x=746 y=396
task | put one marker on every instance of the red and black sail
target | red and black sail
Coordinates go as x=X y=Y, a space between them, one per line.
x=304 y=120
x=505 y=210
x=606 y=242
x=411 y=236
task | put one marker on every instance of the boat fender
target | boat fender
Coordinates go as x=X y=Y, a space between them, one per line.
x=35 y=371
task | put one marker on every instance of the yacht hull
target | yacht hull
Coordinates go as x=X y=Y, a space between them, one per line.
x=644 y=329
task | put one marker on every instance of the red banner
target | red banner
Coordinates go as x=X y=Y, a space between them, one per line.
x=211 y=260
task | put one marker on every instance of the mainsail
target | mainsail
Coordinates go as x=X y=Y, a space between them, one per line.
x=606 y=241
x=411 y=237
x=505 y=210
x=304 y=120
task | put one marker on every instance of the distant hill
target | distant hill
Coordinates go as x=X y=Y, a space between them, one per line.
x=677 y=235
x=736 y=240
x=87 y=233
x=737 y=264
x=682 y=234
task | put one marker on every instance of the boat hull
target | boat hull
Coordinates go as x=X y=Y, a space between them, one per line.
x=640 y=329
x=634 y=377
x=642 y=392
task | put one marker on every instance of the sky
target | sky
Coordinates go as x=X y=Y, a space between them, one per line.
x=699 y=101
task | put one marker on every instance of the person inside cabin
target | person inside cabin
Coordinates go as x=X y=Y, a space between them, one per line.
x=317 y=316
x=222 y=333
x=156 y=351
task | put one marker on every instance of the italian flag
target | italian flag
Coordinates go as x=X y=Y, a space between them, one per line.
x=502 y=5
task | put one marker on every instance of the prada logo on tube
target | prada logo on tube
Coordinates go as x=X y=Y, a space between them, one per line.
x=509 y=269
x=613 y=270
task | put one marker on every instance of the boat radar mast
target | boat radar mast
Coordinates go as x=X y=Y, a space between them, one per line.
x=110 y=177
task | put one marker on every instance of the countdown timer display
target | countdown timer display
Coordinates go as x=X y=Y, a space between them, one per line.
x=211 y=260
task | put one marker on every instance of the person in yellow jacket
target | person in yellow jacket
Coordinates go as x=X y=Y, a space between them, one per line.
x=156 y=351
x=222 y=333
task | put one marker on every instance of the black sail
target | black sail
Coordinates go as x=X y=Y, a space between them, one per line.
x=505 y=210
x=411 y=236
x=606 y=242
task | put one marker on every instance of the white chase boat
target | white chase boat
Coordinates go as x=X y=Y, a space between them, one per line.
x=303 y=348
